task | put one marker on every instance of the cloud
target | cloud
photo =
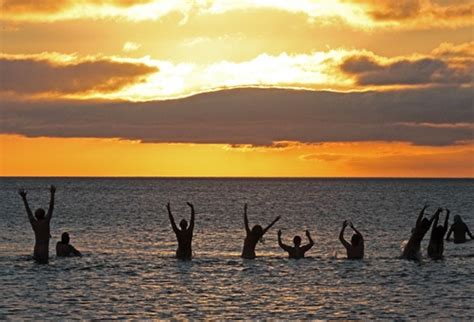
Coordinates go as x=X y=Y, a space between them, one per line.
x=130 y=46
x=365 y=14
x=53 y=6
x=257 y=117
x=465 y=50
x=368 y=71
x=324 y=157
x=403 y=10
x=121 y=78
x=35 y=75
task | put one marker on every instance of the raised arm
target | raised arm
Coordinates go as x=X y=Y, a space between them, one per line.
x=52 y=191
x=436 y=216
x=420 y=216
x=270 y=226
x=310 y=244
x=246 y=220
x=341 y=235
x=191 y=224
x=356 y=231
x=446 y=220
x=170 y=215
x=22 y=193
x=280 y=243
x=436 y=219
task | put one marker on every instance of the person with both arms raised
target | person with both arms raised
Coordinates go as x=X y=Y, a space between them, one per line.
x=253 y=236
x=355 y=249
x=296 y=251
x=40 y=223
x=184 y=234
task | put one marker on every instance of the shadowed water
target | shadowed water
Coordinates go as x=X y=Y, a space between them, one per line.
x=128 y=269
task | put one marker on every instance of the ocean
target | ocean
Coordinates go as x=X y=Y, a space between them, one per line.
x=129 y=271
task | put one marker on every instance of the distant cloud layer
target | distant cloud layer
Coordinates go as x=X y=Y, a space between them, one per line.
x=406 y=72
x=257 y=117
x=34 y=76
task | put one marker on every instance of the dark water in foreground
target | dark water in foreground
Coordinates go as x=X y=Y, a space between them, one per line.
x=128 y=270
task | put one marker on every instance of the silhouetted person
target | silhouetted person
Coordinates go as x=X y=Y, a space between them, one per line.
x=41 y=226
x=297 y=251
x=64 y=249
x=184 y=235
x=355 y=249
x=460 y=229
x=412 y=248
x=436 y=245
x=253 y=236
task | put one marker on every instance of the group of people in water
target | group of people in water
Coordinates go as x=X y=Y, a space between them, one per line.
x=40 y=223
x=436 y=243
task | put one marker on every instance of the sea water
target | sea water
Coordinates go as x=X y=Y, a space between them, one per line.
x=129 y=271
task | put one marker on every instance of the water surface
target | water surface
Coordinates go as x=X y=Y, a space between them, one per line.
x=128 y=269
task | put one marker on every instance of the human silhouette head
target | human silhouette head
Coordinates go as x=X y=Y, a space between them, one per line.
x=457 y=219
x=297 y=240
x=183 y=224
x=355 y=240
x=257 y=230
x=65 y=238
x=40 y=213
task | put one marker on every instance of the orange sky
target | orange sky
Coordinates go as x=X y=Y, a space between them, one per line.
x=105 y=88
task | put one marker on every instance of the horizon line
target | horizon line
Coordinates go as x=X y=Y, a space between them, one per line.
x=224 y=177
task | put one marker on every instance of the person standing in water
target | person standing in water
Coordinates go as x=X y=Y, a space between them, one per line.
x=184 y=235
x=253 y=236
x=412 y=248
x=40 y=223
x=460 y=229
x=297 y=251
x=436 y=245
x=64 y=249
x=354 y=249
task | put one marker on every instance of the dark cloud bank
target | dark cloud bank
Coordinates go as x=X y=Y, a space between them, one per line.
x=33 y=76
x=406 y=72
x=258 y=117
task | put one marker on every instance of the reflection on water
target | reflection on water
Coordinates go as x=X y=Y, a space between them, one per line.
x=128 y=270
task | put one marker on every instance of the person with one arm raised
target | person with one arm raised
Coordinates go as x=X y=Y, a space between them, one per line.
x=297 y=251
x=40 y=223
x=184 y=234
x=354 y=249
x=253 y=236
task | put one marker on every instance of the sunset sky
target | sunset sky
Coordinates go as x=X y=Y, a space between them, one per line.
x=338 y=88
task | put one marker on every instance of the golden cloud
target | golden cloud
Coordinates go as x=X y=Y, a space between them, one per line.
x=404 y=10
x=402 y=14
x=54 y=6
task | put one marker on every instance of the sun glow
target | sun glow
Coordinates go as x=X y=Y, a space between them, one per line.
x=314 y=71
x=93 y=157
x=153 y=10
